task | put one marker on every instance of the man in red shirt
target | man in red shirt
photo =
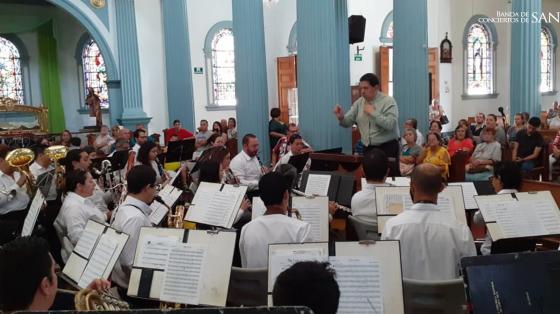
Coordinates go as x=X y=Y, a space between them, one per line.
x=177 y=133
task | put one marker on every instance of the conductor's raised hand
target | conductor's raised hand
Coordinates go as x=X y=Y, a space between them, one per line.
x=338 y=112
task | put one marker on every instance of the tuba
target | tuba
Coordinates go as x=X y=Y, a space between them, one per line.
x=56 y=153
x=20 y=158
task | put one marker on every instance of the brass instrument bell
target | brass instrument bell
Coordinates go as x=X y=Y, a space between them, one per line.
x=55 y=154
x=20 y=158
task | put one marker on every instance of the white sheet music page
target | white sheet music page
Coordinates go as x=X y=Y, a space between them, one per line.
x=359 y=281
x=170 y=195
x=398 y=181
x=158 y=212
x=99 y=260
x=281 y=260
x=547 y=214
x=314 y=211
x=220 y=208
x=181 y=281
x=86 y=243
x=318 y=184
x=154 y=251
x=34 y=209
x=393 y=204
x=489 y=208
x=519 y=220
x=258 y=208
x=469 y=192
x=445 y=206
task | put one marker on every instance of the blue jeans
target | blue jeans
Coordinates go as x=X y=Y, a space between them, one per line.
x=480 y=176
x=527 y=166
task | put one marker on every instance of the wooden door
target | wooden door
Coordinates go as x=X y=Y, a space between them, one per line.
x=385 y=68
x=433 y=67
x=287 y=79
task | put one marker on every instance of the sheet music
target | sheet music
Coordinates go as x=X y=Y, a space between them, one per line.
x=154 y=251
x=318 y=184
x=281 y=260
x=519 y=220
x=99 y=260
x=170 y=195
x=469 y=191
x=86 y=243
x=181 y=281
x=445 y=206
x=258 y=207
x=315 y=212
x=359 y=281
x=547 y=215
x=218 y=211
x=394 y=204
x=34 y=209
x=490 y=207
x=158 y=212
x=399 y=181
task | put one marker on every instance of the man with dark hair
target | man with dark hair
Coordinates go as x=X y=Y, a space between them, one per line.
x=246 y=165
x=432 y=244
x=310 y=284
x=176 y=133
x=492 y=123
x=376 y=167
x=477 y=127
x=27 y=274
x=296 y=148
x=528 y=145
x=140 y=138
x=376 y=115
x=202 y=135
x=41 y=165
x=132 y=215
x=282 y=148
x=273 y=227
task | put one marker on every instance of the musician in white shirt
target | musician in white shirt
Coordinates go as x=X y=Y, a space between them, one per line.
x=246 y=165
x=41 y=165
x=376 y=167
x=77 y=208
x=273 y=227
x=132 y=215
x=432 y=245
x=296 y=148
x=141 y=138
x=79 y=159
x=13 y=195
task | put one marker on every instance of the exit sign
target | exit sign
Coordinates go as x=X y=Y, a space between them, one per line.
x=357 y=57
x=198 y=70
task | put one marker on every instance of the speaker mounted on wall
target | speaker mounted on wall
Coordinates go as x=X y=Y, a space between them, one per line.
x=356 y=28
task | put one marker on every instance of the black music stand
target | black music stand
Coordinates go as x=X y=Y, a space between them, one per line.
x=180 y=150
x=341 y=186
x=119 y=160
x=299 y=161
x=44 y=182
x=337 y=150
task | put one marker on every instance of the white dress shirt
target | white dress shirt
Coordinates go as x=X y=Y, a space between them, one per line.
x=246 y=169
x=100 y=198
x=486 y=247
x=269 y=229
x=129 y=218
x=286 y=158
x=431 y=244
x=37 y=170
x=107 y=140
x=363 y=203
x=19 y=201
x=74 y=215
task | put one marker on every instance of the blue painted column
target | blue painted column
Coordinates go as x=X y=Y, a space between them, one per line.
x=178 y=62
x=410 y=60
x=115 y=99
x=323 y=69
x=250 y=72
x=525 y=72
x=127 y=39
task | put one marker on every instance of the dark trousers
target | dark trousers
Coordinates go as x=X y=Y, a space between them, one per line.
x=392 y=150
x=10 y=225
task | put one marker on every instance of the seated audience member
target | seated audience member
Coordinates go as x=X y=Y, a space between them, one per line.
x=477 y=127
x=311 y=284
x=553 y=117
x=485 y=155
x=519 y=124
x=65 y=138
x=528 y=145
x=28 y=276
x=554 y=165
x=75 y=143
x=436 y=154
x=376 y=168
x=104 y=140
x=461 y=141
x=276 y=128
x=544 y=120
x=115 y=131
x=282 y=148
x=413 y=124
x=224 y=125
x=273 y=227
x=507 y=179
x=77 y=208
x=132 y=215
x=432 y=244
x=90 y=150
x=246 y=165
x=464 y=123
x=219 y=131
x=176 y=133
x=232 y=128
x=492 y=123
x=435 y=127
x=41 y=165
x=410 y=152
x=147 y=155
x=296 y=148
x=140 y=138
x=124 y=134
x=120 y=145
x=202 y=135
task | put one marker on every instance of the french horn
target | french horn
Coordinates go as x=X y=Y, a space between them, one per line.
x=20 y=158
x=92 y=300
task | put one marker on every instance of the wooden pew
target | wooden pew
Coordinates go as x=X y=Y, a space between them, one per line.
x=457 y=167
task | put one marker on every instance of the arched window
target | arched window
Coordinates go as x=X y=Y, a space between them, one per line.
x=220 y=62
x=11 y=82
x=480 y=45
x=386 y=36
x=94 y=72
x=547 y=59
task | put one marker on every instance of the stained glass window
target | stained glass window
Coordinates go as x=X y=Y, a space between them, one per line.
x=11 y=84
x=95 y=74
x=223 y=68
x=480 y=79
x=547 y=84
x=389 y=31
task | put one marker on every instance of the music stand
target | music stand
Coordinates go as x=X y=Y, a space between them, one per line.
x=44 y=182
x=119 y=160
x=299 y=161
x=180 y=150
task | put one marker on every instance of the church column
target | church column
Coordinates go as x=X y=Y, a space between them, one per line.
x=410 y=60
x=323 y=71
x=250 y=72
x=525 y=72
x=131 y=87
x=178 y=62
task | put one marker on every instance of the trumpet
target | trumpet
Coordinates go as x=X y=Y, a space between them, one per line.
x=20 y=158
x=55 y=153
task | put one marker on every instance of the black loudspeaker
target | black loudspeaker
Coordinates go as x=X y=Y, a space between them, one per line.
x=356 y=28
